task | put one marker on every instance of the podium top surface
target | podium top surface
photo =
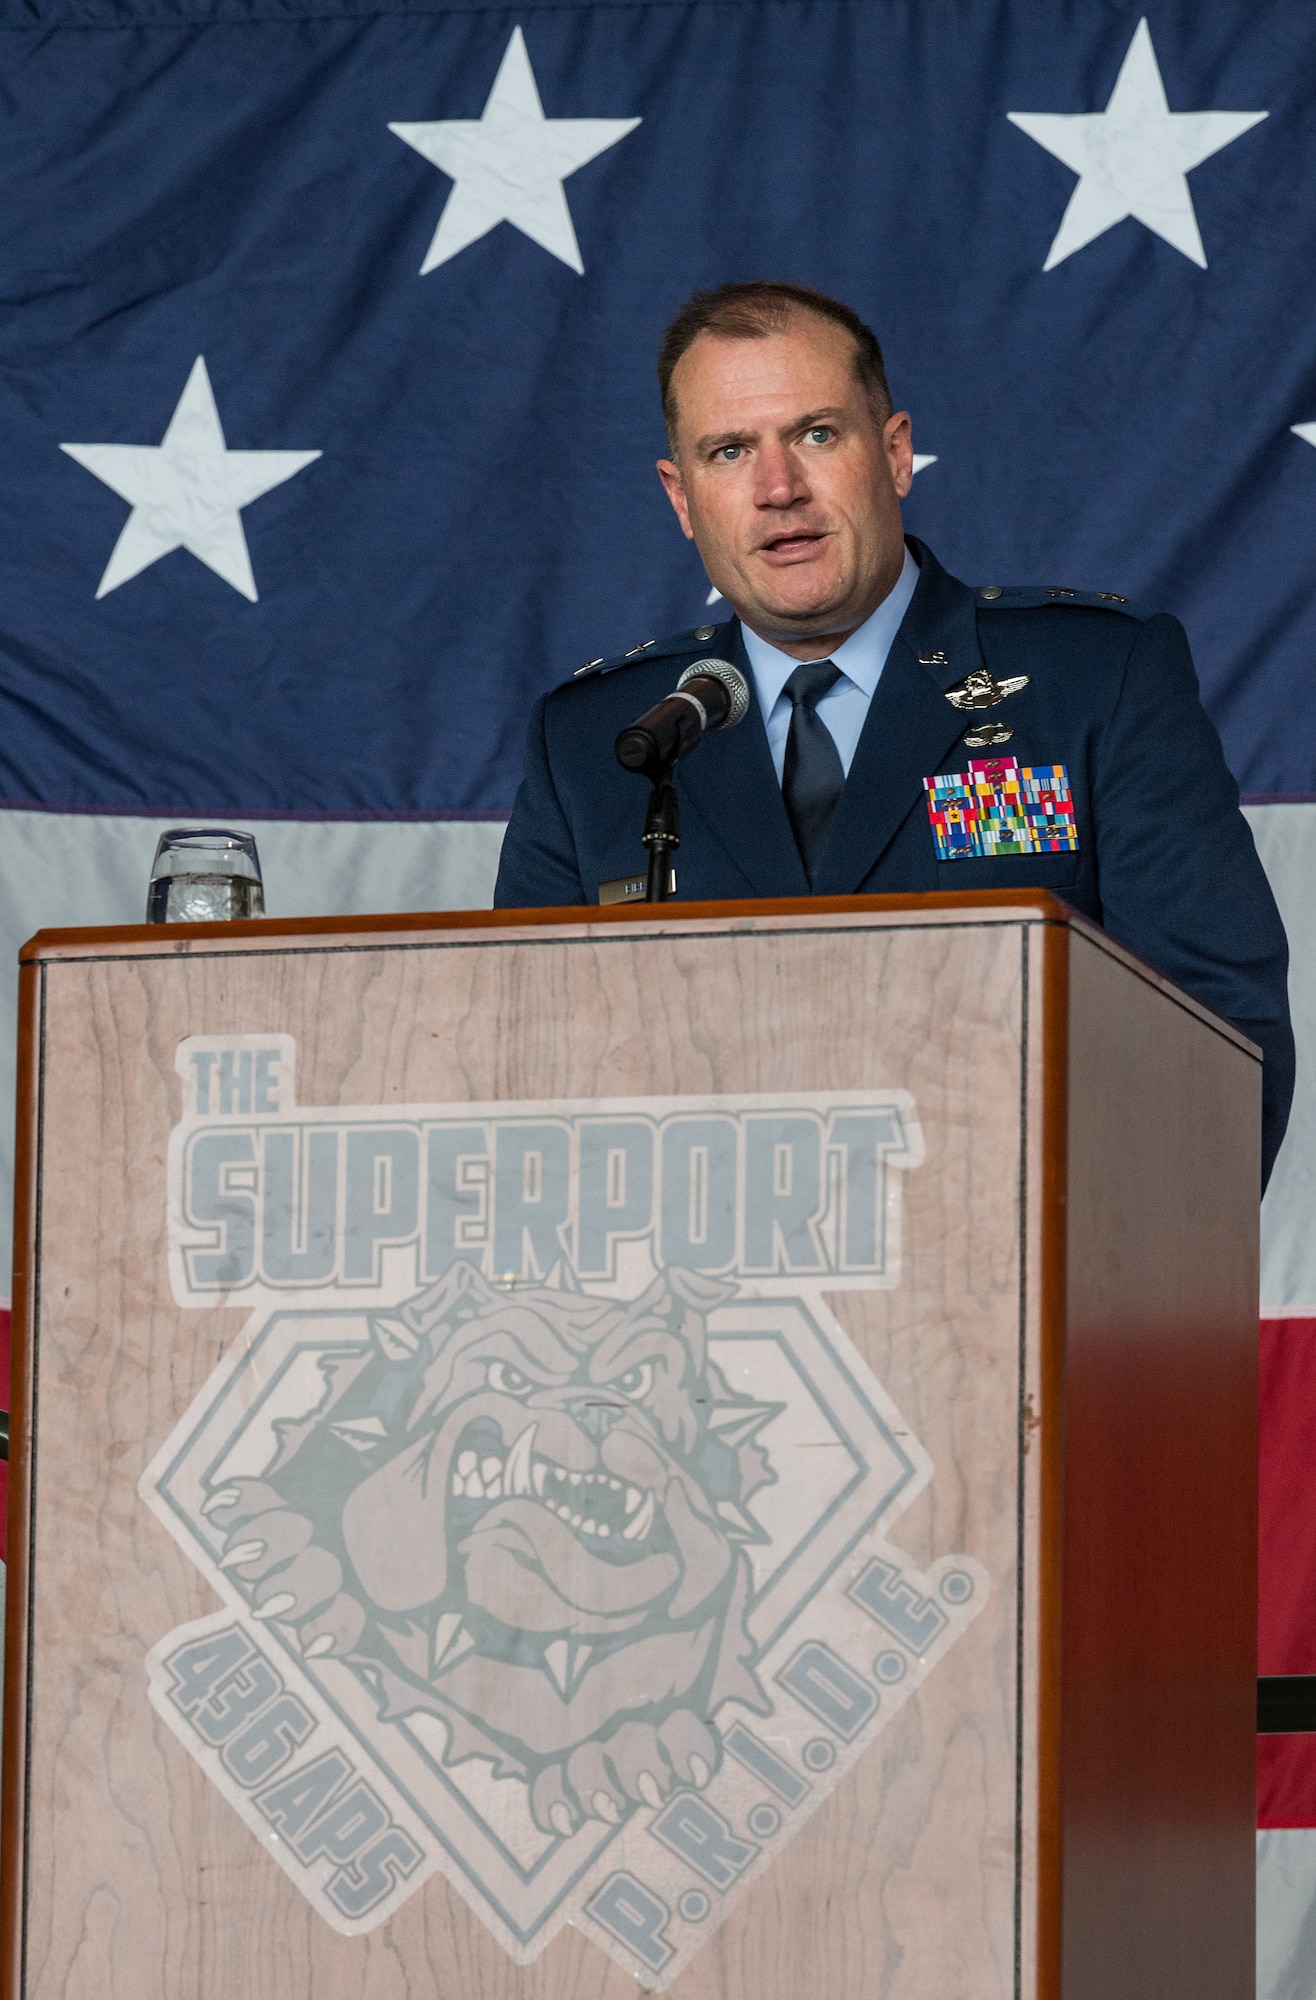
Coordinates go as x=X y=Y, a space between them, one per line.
x=411 y=929
x=974 y=906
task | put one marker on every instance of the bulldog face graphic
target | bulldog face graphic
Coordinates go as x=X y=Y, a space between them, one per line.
x=525 y=1512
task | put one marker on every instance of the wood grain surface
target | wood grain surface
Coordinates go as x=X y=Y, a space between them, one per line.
x=1158 y=1715
x=924 y=1875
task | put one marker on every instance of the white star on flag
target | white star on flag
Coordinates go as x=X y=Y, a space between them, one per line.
x=1307 y=432
x=187 y=492
x=921 y=458
x=1134 y=157
x=509 y=164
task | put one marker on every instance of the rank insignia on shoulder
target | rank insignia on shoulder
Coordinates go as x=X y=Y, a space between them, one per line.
x=1000 y=807
x=979 y=690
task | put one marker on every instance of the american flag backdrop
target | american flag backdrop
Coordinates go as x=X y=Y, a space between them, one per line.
x=328 y=419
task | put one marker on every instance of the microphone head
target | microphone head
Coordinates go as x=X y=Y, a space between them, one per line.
x=732 y=680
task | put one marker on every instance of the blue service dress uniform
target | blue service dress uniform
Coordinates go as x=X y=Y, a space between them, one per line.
x=1164 y=860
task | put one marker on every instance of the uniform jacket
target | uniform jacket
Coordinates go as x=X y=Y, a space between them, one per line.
x=1165 y=860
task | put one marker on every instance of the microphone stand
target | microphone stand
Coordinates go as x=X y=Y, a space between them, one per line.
x=710 y=695
x=662 y=836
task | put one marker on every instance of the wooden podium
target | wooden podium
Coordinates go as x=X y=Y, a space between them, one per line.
x=707 y=1449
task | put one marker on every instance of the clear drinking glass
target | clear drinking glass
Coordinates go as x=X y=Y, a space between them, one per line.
x=204 y=875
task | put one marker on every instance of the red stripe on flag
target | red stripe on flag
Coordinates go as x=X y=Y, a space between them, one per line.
x=1286 y=1781
x=1286 y=1635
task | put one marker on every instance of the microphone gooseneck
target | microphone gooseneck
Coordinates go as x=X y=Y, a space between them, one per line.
x=710 y=695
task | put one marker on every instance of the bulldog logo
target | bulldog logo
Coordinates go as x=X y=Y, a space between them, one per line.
x=525 y=1514
x=544 y=1499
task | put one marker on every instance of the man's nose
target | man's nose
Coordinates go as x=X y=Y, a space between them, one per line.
x=596 y=1415
x=781 y=481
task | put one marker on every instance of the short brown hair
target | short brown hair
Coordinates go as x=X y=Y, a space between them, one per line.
x=753 y=311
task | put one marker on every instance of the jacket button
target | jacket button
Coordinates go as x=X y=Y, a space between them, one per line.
x=705 y=632
x=990 y=590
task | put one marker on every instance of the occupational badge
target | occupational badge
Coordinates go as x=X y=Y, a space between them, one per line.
x=980 y=690
x=985 y=735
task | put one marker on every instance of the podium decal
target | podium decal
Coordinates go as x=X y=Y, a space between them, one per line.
x=546 y=1501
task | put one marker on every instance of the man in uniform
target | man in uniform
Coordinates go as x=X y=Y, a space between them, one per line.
x=909 y=733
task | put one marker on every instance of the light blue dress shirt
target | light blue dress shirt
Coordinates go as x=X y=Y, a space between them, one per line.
x=861 y=658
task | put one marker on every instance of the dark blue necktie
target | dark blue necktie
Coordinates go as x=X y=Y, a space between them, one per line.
x=812 y=778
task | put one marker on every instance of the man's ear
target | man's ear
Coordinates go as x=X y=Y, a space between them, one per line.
x=670 y=474
x=898 y=444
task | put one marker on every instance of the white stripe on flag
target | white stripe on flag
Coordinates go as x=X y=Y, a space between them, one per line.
x=1286 y=1913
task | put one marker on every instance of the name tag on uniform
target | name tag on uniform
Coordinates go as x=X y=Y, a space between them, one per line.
x=997 y=807
x=631 y=888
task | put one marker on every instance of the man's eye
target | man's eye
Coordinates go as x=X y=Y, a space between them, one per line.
x=728 y=453
x=820 y=434
x=636 y=1382
x=507 y=1380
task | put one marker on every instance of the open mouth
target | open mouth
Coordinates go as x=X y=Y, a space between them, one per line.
x=798 y=544
x=599 y=1507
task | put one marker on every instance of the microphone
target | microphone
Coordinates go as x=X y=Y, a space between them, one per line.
x=710 y=695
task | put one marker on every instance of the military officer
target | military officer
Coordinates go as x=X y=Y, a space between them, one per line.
x=882 y=682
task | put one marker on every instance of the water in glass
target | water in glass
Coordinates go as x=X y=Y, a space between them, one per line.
x=204 y=875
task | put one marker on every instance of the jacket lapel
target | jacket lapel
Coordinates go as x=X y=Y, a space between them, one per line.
x=731 y=786
x=909 y=730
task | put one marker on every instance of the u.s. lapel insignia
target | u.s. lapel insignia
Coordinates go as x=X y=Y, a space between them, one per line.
x=979 y=690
